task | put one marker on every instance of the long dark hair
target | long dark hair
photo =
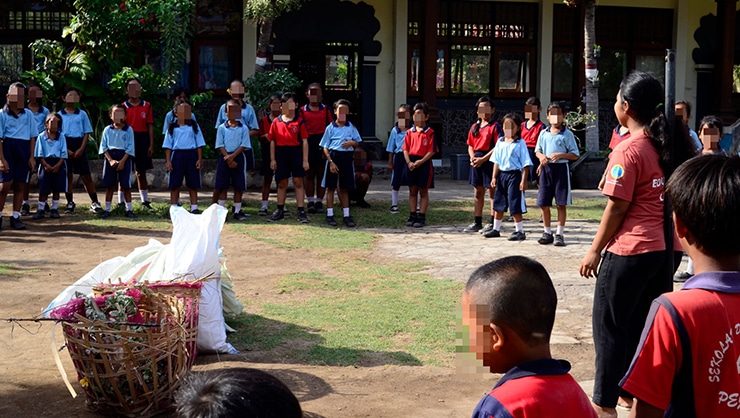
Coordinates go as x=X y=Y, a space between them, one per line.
x=6 y=108
x=645 y=96
x=476 y=127
x=174 y=123
x=517 y=125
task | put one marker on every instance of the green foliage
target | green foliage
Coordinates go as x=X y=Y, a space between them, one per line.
x=260 y=86
x=579 y=120
x=151 y=82
x=261 y=10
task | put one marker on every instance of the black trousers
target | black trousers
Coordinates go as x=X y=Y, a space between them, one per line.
x=625 y=288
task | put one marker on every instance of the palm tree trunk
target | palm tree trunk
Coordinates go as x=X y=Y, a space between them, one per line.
x=592 y=91
x=262 y=43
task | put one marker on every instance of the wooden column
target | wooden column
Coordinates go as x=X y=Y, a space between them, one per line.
x=726 y=10
x=429 y=53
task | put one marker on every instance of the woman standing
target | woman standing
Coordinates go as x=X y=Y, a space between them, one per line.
x=633 y=270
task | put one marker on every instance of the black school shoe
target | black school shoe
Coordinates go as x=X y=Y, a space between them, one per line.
x=331 y=221
x=421 y=220
x=39 y=214
x=517 y=236
x=493 y=233
x=278 y=215
x=17 y=224
x=25 y=209
x=319 y=207
x=303 y=217
x=411 y=220
x=349 y=221
x=311 y=208
x=546 y=239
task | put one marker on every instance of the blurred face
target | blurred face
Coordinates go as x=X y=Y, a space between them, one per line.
x=72 y=97
x=275 y=105
x=17 y=96
x=133 y=89
x=619 y=109
x=531 y=111
x=52 y=125
x=709 y=137
x=510 y=128
x=682 y=113
x=555 y=117
x=342 y=112
x=236 y=90
x=420 y=118
x=485 y=110
x=184 y=112
x=288 y=107
x=118 y=115
x=404 y=116
x=233 y=111
x=314 y=94
x=476 y=327
x=35 y=93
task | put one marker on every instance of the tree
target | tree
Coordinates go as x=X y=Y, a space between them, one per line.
x=264 y=12
x=592 y=73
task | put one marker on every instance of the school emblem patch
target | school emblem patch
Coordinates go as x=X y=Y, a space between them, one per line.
x=617 y=172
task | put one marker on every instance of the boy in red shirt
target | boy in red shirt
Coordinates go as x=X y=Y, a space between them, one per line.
x=317 y=117
x=688 y=358
x=140 y=117
x=511 y=334
x=418 y=150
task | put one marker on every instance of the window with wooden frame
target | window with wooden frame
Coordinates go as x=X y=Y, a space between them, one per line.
x=216 y=53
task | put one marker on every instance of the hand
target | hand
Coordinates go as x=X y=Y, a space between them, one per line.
x=48 y=168
x=232 y=164
x=543 y=161
x=4 y=167
x=347 y=144
x=198 y=164
x=77 y=154
x=305 y=165
x=168 y=166
x=273 y=165
x=523 y=185
x=333 y=168
x=539 y=168
x=590 y=264
x=390 y=167
x=54 y=169
x=493 y=183
x=32 y=163
x=602 y=182
x=473 y=161
x=113 y=163
x=412 y=165
x=119 y=166
x=479 y=162
x=555 y=156
x=150 y=151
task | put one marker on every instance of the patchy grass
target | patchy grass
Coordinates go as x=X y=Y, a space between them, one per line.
x=9 y=269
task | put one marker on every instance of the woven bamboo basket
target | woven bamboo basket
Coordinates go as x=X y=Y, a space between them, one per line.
x=130 y=369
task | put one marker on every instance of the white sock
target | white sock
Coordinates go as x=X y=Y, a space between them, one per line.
x=237 y=207
x=548 y=230
x=264 y=204
x=144 y=195
x=310 y=200
x=394 y=198
x=54 y=204
x=108 y=205
x=497 y=224
x=129 y=206
x=222 y=202
x=193 y=207
x=519 y=226
x=42 y=205
x=120 y=197
x=345 y=212
x=319 y=200
x=16 y=215
x=690 y=267
x=559 y=230
x=329 y=211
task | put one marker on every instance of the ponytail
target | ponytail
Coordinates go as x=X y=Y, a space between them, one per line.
x=476 y=127
x=659 y=132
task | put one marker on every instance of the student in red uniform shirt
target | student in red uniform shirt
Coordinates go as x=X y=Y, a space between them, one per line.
x=530 y=131
x=619 y=134
x=687 y=360
x=140 y=117
x=288 y=156
x=418 y=150
x=317 y=117
x=634 y=270
x=482 y=137
x=511 y=334
x=265 y=123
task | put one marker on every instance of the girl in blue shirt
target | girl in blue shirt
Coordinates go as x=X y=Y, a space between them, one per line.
x=183 y=147
x=396 y=161
x=118 y=147
x=35 y=94
x=51 y=152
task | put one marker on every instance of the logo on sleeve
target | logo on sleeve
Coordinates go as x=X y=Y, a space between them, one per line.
x=617 y=172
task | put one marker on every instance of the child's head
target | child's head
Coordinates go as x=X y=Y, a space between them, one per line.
x=710 y=132
x=117 y=114
x=133 y=88
x=236 y=392
x=421 y=114
x=703 y=192
x=532 y=108
x=313 y=93
x=509 y=309
x=341 y=109
x=273 y=103
x=555 y=114
x=510 y=124
x=236 y=89
x=233 y=110
x=485 y=108
x=683 y=110
x=180 y=93
x=183 y=110
x=287 y=103
x=404 y=116
x=53 y=122
x=16 y=94
x=34 y=93
x=640 y=98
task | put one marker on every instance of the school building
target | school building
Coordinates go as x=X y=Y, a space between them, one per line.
x=380 y=53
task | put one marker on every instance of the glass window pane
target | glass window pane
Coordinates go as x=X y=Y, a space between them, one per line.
x=440 y=69
x=470 y=69
x=612 y=69
x=513 y=72
x=415 y=66
x=215 y=68
x=11 y=63
x=562 y=72
x=341 y=71
x=653 y=64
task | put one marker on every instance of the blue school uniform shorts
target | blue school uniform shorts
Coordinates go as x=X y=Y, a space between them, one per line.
x=52 y=182
x=142 y=160
x=345 y=177
x=289 y=162
x=422 y=176
x=235 y=177
x=79 y=165
x=399 y=163
x=17 y=152
x=114 y=177
x=481 y=176
x=316 y=157
x=183 y=167
x=554 y=183
x=508 y=195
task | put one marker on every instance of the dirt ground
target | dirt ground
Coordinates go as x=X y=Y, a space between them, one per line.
x=53 y=256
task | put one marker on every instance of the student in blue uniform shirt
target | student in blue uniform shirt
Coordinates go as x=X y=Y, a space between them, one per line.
x=51 y=152
x=396 y=160
x=511 y=334
x=77 y=130
x=339 y=142
x=183 y=147
x=35 y=95
x=18 y=131
x=177 y=94
x=232 y=139
x=118 y=147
